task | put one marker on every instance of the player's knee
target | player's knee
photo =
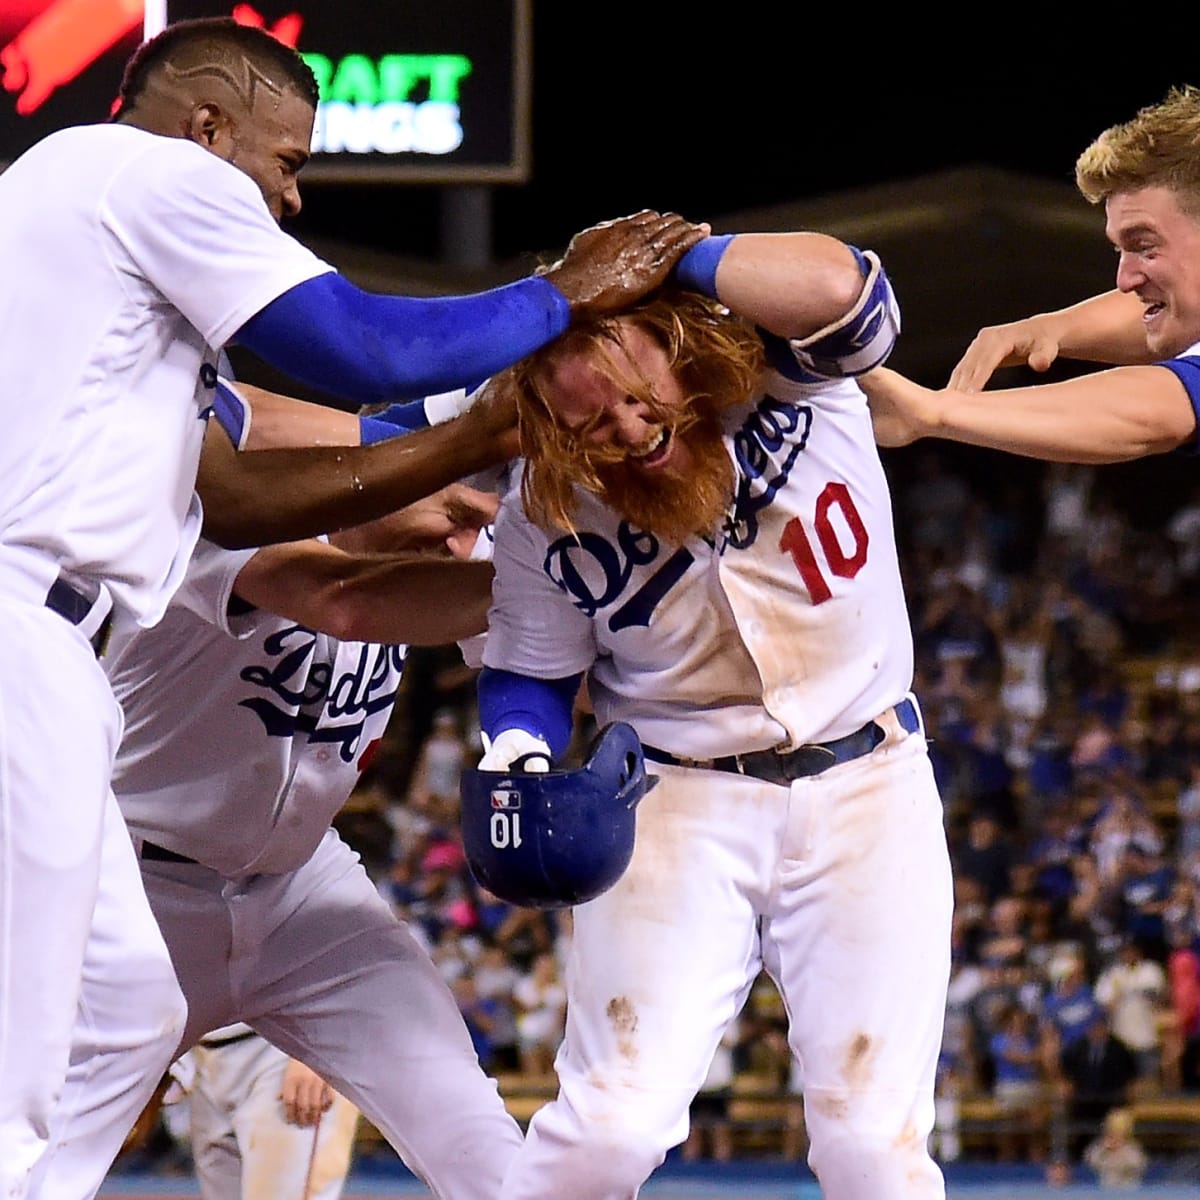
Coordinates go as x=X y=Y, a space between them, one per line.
x=610 y=1139
x=882 y=1158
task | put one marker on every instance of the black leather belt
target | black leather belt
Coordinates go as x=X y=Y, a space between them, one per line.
x=74 y=605
x=162 y=854
x=782 y=767
x=231 y=1040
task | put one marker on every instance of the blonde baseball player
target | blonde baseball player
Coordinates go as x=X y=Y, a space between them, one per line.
x=134 y=251
x=704 y=531
x=263 y=1126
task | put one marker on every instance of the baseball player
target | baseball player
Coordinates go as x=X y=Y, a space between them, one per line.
x=1145 y=173
x=703 y=529
x=134 y=251
x=251 y=709
x=263 y=1126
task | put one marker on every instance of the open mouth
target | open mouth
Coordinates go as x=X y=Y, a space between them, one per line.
x=1153 y=309
x=657 y=451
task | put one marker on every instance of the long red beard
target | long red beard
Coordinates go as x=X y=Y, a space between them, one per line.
x=675 y=507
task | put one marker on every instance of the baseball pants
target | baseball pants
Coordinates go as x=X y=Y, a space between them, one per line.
x=316 y=962
x=839 y=886
x=89 y=1008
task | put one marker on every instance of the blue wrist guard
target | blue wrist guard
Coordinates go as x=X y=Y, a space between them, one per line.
x=542 y=707
x=697 y=269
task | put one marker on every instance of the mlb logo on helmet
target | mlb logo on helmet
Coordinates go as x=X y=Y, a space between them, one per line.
x=502 y=798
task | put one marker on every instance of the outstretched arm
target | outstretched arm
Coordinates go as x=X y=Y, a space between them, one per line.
x=367 y=347
x=1103 y=329
x=255 y=498
x=1110 y=416
x=382 y=598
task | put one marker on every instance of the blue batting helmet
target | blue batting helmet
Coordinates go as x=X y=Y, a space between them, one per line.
x=559 y=838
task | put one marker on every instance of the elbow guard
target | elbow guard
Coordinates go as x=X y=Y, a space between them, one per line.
x=863 y=338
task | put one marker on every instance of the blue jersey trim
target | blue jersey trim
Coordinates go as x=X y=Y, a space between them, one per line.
x=360 y=346
x=543 y=707
x=230 y=411
x=1187 y=370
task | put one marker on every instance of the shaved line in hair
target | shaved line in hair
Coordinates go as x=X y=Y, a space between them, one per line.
x=244 y=83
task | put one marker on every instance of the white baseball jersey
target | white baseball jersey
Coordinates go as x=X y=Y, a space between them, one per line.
x=129 y=259
x=297 y=715
x=791 y=627
x=164 y=251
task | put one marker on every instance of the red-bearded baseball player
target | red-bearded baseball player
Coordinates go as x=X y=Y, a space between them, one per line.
x=703 y=530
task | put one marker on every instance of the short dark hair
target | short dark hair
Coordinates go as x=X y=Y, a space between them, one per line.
x=220 y=34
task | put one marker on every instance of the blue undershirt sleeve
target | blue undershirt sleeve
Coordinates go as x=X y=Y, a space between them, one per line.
x=1187 y=369
x=329 y=334
x=543 y=707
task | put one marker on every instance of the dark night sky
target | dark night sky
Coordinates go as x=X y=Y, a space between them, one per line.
x=651 y=105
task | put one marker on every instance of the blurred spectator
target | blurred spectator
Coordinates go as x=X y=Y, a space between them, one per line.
x=1183 y=976
x=986 y=856
x=495 y=979
x=1004 y=943
x=1146 y=891
x=935 y=504
x=1116 y=1155
x=541 y=1003
x=1017 y=1058
x=1071 y=1006
x=1097 y=1071
x=482 y=1016
x=1133 y=991
x=1188 y=809
x=440 y=763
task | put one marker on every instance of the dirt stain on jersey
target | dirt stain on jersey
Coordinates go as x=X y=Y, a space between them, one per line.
x=623 y=1015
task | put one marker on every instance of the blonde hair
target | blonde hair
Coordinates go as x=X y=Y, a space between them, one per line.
x=716 y=356
x=1159 y=147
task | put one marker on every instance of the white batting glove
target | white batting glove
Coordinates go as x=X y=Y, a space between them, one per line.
x=512 y=745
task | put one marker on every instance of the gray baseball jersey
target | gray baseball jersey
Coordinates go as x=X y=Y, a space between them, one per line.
x=245 y=734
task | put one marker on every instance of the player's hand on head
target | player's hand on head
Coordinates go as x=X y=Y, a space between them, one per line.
x=304 y=1095
x=1019 y=343
x=901 y=411
x=515 y=750
x=610 y=266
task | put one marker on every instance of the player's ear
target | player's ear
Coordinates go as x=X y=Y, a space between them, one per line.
x=211 y=126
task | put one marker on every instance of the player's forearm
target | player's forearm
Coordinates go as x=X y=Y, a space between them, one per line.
x=255 y=498
x=1110 y=416
x=1106 y=328
x=421 y=602
x=366 y=347
x=386 y=599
